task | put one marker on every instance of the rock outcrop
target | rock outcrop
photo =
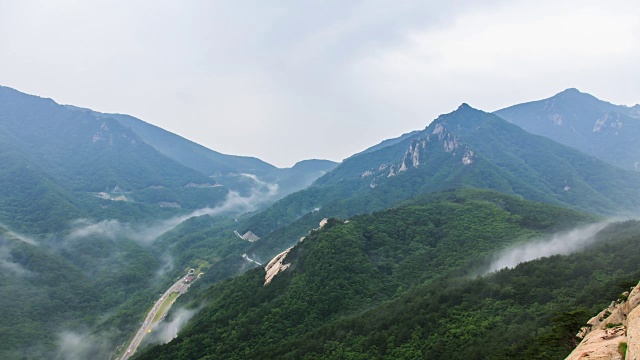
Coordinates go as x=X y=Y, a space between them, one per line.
x=275 y=266
x=612 y=331
x=250 y=236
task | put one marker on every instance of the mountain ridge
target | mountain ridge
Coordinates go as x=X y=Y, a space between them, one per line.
x=582 y=121
x=464 y=148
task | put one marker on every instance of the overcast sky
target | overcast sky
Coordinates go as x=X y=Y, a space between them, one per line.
x=290 y=80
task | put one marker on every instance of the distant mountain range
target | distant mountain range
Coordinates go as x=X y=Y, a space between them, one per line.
x=401 y=282
x=220 y=166
x=105 y=198
x=465 y=148
x=76 y=159
x=607 y=131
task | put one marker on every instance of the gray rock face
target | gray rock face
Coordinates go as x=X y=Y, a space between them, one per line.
x=617 y=324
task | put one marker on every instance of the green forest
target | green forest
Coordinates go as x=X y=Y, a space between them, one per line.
x=406 y=283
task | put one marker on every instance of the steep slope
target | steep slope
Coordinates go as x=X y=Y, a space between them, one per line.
x=530 y=312
x=466 y=148
x=57 y=287
x=91 y=154
x=389 y=142
x=29 y=198
x=607 y=131
x=86 y=154
x=188 y=153
x=347 y=268
x=614 y=332
x=222 y=167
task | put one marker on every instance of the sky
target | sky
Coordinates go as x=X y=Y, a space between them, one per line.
x=291 y=80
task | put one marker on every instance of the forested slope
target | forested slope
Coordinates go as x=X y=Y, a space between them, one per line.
x=346 y=269
x=466 y=148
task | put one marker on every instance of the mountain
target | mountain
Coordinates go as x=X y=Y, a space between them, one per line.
x=95 y=157
x=188 y=153
x=63 y=162
x=401 y=284
x=87 y=153
x=106 y=215
x=224 y=168
x=598 y=128
x=30 y=199
x=465 y=148
x=389 y=142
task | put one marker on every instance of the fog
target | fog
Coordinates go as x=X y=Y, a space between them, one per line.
x=562 y=243
x=147 y=233
x=7 y=264
x=81 y=346
x=168 y=330
x=78 y=345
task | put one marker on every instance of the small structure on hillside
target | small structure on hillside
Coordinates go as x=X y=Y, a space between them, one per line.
x=250 y=236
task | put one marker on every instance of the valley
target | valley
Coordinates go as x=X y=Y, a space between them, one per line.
x=440 y=243
x=159 y=311
x=310 y=180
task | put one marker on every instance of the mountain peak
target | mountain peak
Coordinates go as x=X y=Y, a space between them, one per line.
x=573 y=93
x=464 y=110
x=463 y=114
x=570 y=91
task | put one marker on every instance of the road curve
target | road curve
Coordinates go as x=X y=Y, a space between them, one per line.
x=181 y=287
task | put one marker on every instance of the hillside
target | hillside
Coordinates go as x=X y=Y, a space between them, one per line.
x=31 y=198
x=466 y=148
x=595 y=127
x=351 y=288
x=87 y=165
x=86 y=152
x=222 y=167
x=105 y=216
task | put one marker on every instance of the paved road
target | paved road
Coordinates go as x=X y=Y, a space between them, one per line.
x=180 y=287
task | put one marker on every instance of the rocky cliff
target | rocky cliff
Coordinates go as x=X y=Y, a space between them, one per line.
x=614 y=333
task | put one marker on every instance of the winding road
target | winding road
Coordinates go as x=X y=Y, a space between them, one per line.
x=180 y=287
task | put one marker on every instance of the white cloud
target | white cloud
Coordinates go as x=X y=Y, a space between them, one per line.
x=515 y=53
x=147 y=233
x=7 y=263
x=563 y=243
x=168 y=330
x=81 y=346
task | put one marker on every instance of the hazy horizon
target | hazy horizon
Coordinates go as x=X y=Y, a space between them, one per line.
x=297 y=81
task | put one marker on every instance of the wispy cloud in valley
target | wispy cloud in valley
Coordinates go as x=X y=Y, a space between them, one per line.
x=81 y=346
x=168 y=330
x=563 y=243
x=147 y=233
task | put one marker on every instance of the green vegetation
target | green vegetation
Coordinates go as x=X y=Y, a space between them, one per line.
x=622 y=349
x=598 y=128
x=107 y=284
x=611 y=326
x=396 y=284
x=166 y=304
x=505 y=158
x=400 y=283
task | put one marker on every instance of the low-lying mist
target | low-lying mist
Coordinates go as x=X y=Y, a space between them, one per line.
x=8 y=241
x=149 y=232
x=81 y=346
x=562 y=243
x=168 y=329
